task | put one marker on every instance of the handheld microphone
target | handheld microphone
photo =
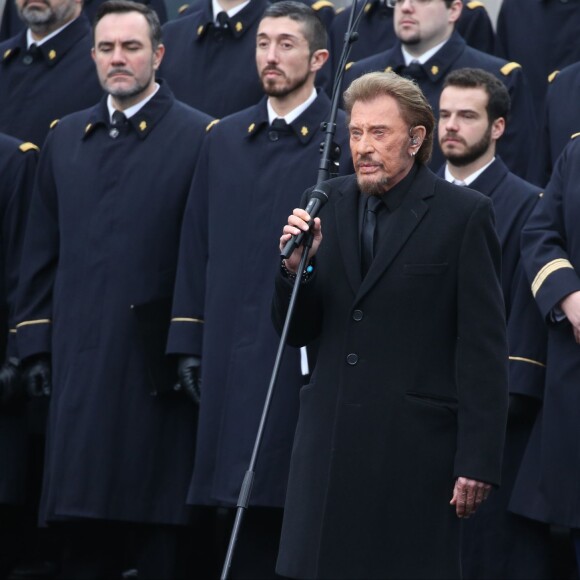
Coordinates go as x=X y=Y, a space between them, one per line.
x=317 y=199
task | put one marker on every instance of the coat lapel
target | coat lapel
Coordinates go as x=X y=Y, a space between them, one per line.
x=346 y=217
x=408 y=217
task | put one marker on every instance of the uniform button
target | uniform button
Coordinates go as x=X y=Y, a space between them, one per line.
x=352 y=359
x=27 y=59
x=273 y=136
x=357 y=315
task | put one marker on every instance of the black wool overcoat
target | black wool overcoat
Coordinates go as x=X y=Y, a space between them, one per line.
x=409 y=391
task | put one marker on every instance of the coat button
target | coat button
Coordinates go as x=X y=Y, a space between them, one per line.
x=352 y=359
x=28 y=59
x=357 y=315
x=273 y=136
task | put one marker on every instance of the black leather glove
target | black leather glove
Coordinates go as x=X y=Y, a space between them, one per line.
x=189 y=377
x=11 y=389
x=36 y=376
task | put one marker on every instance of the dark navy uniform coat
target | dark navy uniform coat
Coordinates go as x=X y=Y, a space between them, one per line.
x=376 y=32
x=17 y=167
x=250 y=173
x=409 y=389
x=561 y=120
x=497 y=544
x=542 y=35
x=61 y=80
x=515 y=145
x=213 y=69
x=323 y=8
x=549 y=479
x=513 y=200
x=103 y=236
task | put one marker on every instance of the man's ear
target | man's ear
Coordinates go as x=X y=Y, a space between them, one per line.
x=497 y=128
x=158 y=56
x=455 y=11
x=318 y=58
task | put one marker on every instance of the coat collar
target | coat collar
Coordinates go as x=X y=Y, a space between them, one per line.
x=52 y=50
x=488 y=181
x=142 y=123
x=437 y=66
x=304 y=127
x=409 y=215
x=203 y=19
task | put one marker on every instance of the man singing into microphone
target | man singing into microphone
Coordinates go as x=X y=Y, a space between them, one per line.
x=401 y=429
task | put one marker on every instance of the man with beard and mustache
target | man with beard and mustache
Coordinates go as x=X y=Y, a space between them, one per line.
x=46 y=71
x=429 y=47
x=474 y=106
x=10 y=23
x=401 y=429
x=254 y=166
x=100 y=252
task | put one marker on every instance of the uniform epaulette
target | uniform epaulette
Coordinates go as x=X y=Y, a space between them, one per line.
x=209 y=127
x=322 y=4
x=54 y=123
x=182 y=8
x=28 y=146
x=475 y=4
x=506 y=69
x=348 y=65
x=574 y=135
x=553 y=75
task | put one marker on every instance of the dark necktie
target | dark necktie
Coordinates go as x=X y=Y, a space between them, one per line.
x=223 y=20
x=414 y=71
x=119 y=124
x=33 y=53
x=278 y=127
x=369 y=227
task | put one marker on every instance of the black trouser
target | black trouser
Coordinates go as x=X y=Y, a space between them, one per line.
x=99 y=550
x=256 y=550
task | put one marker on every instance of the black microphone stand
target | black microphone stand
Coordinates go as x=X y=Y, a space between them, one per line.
x=246 y=490
x=330 y=153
